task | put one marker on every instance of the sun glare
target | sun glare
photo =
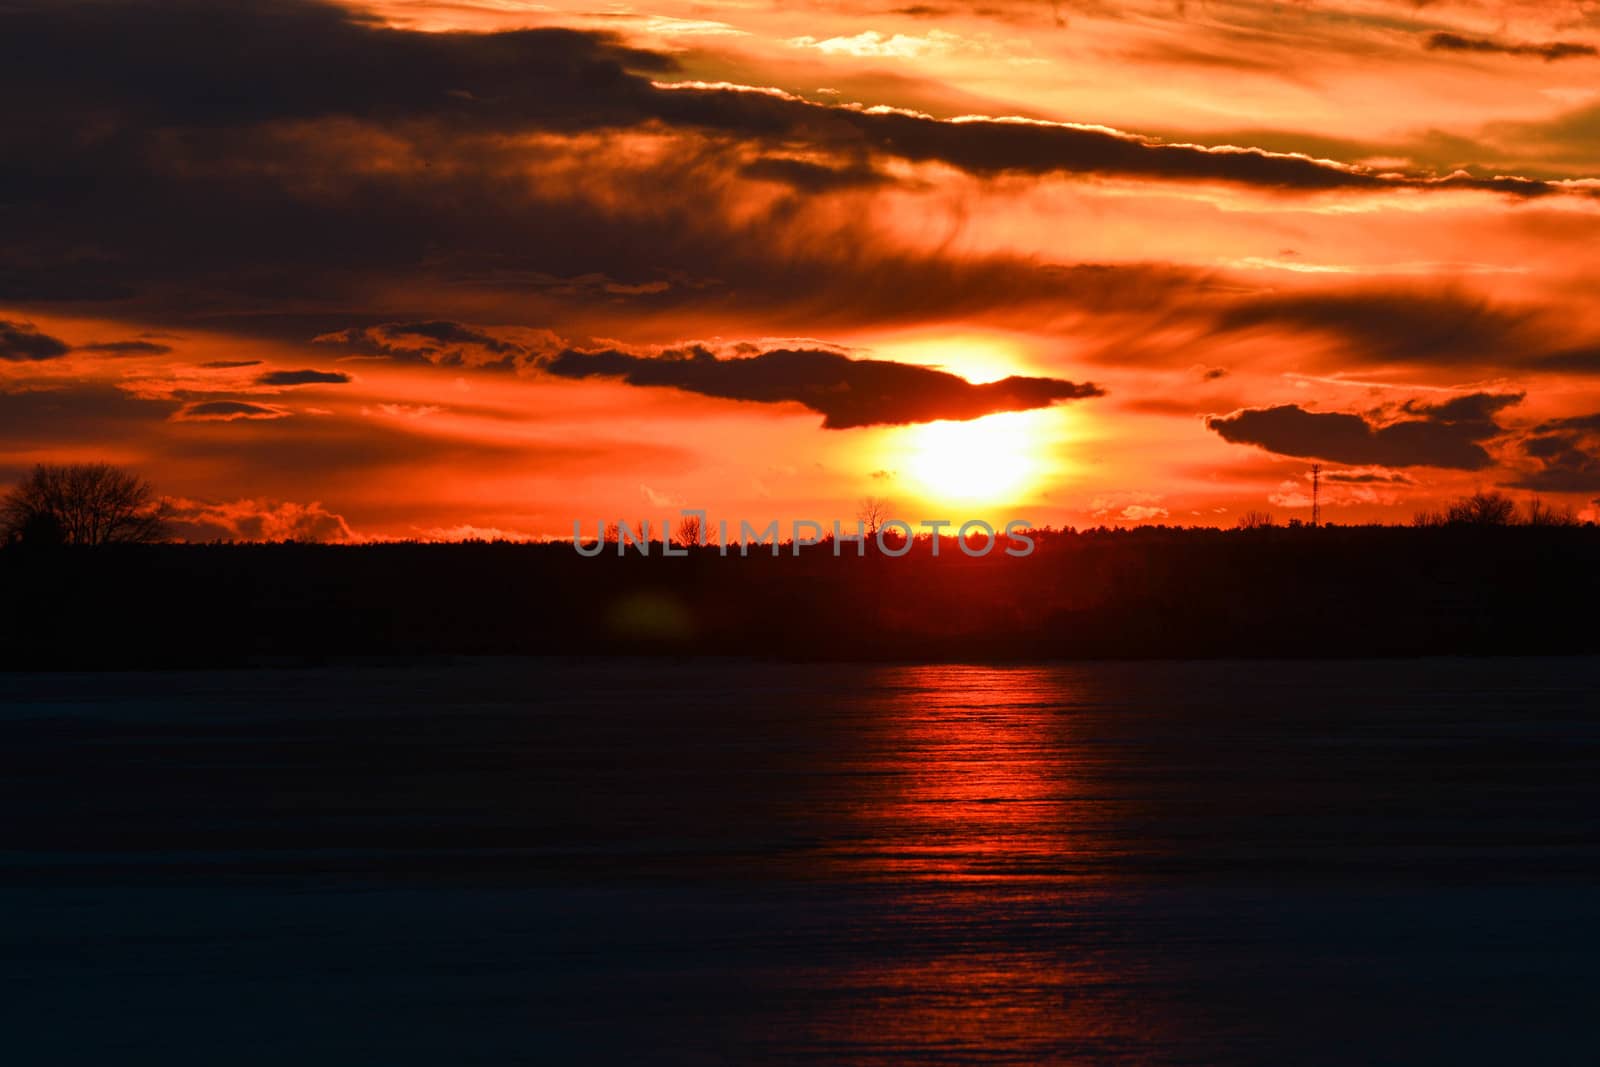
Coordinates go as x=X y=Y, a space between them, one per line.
x=995 y=459
x=976 y=357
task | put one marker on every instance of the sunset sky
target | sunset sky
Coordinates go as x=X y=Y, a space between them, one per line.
x=484 y=267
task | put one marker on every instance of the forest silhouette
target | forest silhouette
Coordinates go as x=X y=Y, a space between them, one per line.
x=1479 y=577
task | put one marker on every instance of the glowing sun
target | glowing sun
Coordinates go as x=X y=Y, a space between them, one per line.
x=994 y=459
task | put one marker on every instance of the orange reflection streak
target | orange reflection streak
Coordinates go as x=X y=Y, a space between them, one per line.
x=971 y=778
x=977 y=806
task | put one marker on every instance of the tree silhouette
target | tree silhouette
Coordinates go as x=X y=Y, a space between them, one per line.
x=1255 y=520
x=690 y=531
x=1482 y=509
x=872 y=512
x=1490 y=509
x=82 y=504
x=1541 y=514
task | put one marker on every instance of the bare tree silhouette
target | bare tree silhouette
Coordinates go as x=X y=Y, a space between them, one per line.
x=1255 y=520
x=82 y=504
x=1482 y=509
x=690 y=531
x=872 y=512
x=1541 y=514
x=1493 y=509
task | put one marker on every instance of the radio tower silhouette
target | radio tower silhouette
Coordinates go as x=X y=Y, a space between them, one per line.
x=1316 y=495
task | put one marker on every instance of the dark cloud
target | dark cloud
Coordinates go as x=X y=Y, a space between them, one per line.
x=438 y=341
x=76 y=415
x=837 y=280
x=436 y=335
x=303 y=377
x=848 y=393
x=1358 y=477
x=1564 y=464
x=993 y=147
x=1446 y=435
x=1582 y=359
x=1454 y=42
x=1580 y=423
x=1014 y=146
x=810 y=177
x=1473 y=412
x=127 y=348
x=20 y=342
x=1410 y=325
x=464 y=236
x=271 y=104
x=227 y=411
x=201 y=107
x=1561 y=456
x=224 y=77
x=231 y=364
x=1446 y=326
x=202 y=63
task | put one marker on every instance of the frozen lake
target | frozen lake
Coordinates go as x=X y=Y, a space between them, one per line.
x=529 y=861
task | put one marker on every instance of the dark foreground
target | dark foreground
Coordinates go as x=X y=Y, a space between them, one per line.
x=1149 y=593
x=641 y=862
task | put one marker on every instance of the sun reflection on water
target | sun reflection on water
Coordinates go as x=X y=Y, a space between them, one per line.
x=976 y=808
x=970 y=776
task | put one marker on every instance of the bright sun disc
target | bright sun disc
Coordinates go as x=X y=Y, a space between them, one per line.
x=992 y=459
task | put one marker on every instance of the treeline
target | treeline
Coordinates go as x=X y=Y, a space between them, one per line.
x=1152 y=592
